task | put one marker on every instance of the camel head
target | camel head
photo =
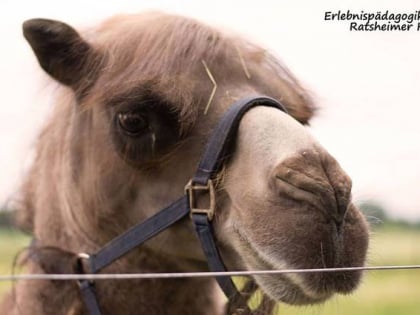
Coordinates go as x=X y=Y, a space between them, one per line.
x=140 y=95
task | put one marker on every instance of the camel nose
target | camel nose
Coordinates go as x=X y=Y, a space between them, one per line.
x=314 y=177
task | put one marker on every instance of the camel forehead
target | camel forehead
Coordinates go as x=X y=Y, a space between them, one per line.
x=120 y=21
x=163 y=49
x=154 y=32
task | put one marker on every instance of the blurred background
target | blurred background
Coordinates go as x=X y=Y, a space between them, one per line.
x=366 y=85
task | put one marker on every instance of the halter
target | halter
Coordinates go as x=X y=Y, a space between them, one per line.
x=200 y=187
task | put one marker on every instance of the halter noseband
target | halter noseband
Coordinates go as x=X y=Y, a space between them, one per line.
x=201 y=185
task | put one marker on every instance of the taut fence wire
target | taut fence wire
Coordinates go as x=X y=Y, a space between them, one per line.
x=127 y=276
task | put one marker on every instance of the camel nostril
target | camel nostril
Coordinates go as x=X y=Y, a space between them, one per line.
x=315 y=184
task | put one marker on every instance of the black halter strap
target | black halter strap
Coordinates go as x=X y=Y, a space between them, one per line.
x=201 y=186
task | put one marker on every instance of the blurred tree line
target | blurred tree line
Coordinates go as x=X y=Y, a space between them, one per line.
x=378 y=217
x=6 y=218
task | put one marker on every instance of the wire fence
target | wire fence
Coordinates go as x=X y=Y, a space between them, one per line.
x=127 y=276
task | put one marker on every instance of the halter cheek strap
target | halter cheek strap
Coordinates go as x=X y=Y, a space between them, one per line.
x=201 y=186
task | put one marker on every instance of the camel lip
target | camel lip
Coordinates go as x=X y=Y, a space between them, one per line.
x=282 y=287
x=295 y=288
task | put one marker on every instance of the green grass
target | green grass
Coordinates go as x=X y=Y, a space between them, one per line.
x=11 y=242
x=381 y=293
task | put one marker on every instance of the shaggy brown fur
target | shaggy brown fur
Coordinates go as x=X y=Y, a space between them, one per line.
x=90 y=181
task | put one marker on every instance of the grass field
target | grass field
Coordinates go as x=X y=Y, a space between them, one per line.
x=382 y=292
x=11 y=242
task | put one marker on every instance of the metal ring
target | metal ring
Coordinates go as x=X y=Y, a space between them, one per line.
x=83 y=255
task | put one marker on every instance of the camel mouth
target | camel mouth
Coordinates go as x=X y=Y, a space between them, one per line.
x=285 y=287
x=295 y=288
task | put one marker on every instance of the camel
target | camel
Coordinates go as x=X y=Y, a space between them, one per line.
x=137 y=98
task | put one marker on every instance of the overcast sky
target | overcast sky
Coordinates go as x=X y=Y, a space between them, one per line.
x=366 y=83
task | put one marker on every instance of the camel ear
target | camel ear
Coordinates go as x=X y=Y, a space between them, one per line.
x=60 y=50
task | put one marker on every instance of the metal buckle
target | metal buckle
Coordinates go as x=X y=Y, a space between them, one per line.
x=190 y=190
x=82 y=258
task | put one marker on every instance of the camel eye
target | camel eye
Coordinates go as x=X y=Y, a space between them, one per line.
x=132 y=123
